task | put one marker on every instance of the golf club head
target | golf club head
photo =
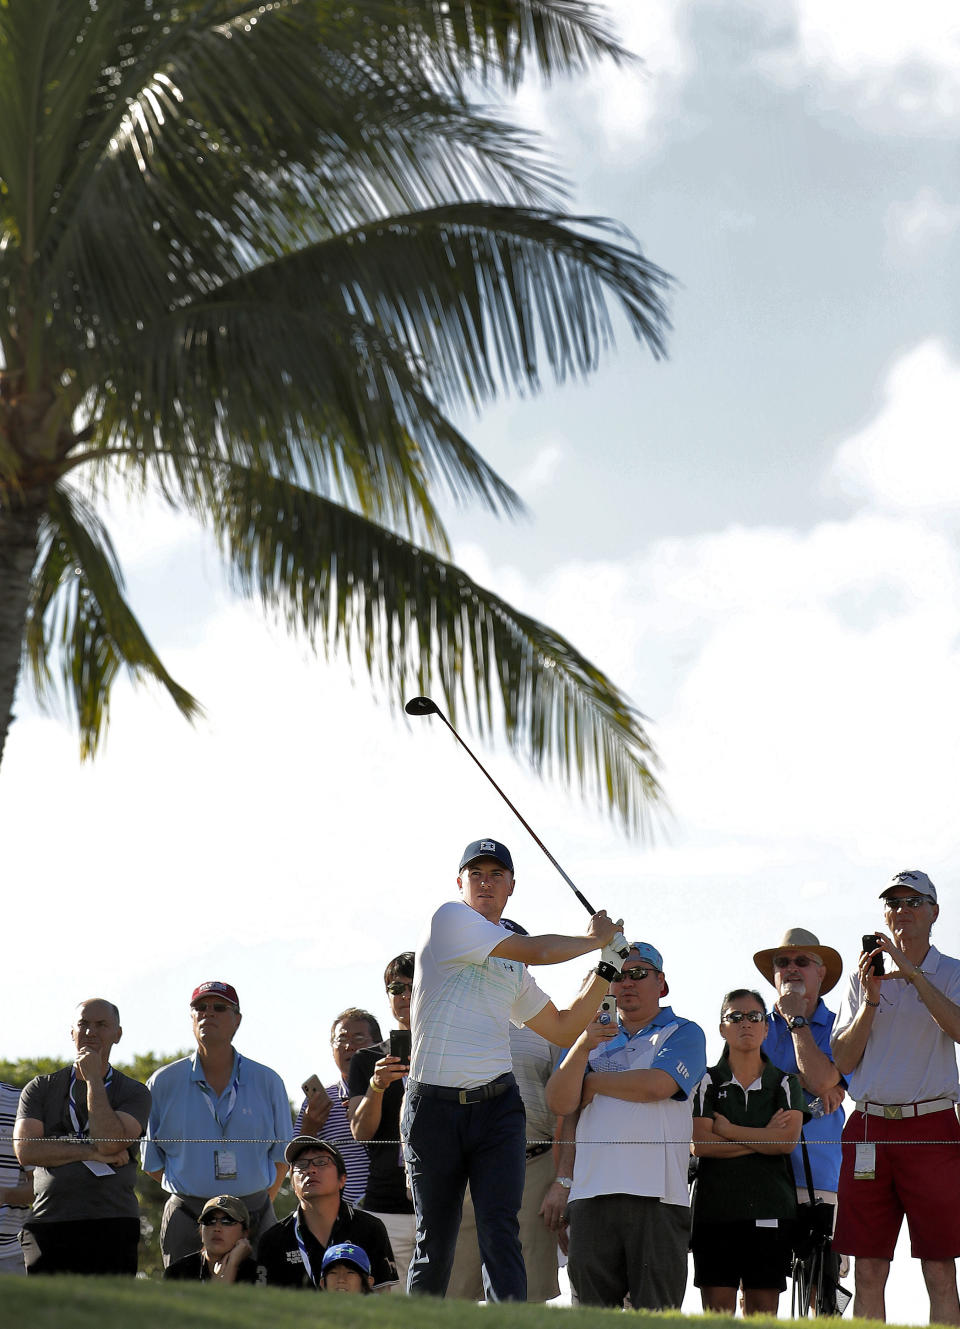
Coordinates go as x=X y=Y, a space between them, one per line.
x=421 y=706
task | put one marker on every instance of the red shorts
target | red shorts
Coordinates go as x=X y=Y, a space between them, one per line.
x=917 y=1174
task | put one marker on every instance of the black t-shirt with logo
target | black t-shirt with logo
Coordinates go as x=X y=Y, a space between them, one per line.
x=387 y=1184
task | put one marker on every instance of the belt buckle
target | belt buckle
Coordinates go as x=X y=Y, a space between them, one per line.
x=893 y=1111
x=462 y=1098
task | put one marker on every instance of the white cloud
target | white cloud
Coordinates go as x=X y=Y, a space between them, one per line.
x=907 y=458
x=621 y=106
x=540 y=471
x=917 y=223
x=896 y=66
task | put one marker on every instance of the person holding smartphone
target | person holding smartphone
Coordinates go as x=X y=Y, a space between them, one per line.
x=631 y=1082
x=376 y=1083
x=896 y=1045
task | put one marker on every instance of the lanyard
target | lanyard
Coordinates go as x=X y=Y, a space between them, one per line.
x=231 y=1098
x=81 y=1131
x=303 y=1250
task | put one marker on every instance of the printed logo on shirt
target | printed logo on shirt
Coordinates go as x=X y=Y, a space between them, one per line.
x=294 y=1257
x=682 y=1070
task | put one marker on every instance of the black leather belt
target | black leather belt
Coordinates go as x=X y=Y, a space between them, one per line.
x=479 y=1094
x=535 y=1150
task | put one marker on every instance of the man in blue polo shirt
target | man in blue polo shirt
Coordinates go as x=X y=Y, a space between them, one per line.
x=629 y=1208
x=219 y=1122
x=798 y=1041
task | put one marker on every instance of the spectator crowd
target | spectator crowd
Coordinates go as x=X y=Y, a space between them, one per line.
x=491 y=1136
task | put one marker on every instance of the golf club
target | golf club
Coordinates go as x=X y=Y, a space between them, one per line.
x=425 y=706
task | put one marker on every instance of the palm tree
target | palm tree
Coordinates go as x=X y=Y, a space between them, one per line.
x=255 y=256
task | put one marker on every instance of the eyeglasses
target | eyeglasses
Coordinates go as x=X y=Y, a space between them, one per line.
x=201 y=1007
x=635 y=972
x=314 y=1161
x=218 y=1220
x=788 y=961
x=906 y=902
x=737 y=1017
x=397 y=989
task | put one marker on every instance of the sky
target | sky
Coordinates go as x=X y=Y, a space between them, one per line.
x=756 y=538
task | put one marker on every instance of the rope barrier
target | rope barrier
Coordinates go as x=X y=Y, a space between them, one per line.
x=345 y=1139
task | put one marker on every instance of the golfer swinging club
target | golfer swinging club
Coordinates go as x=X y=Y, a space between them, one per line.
x=463 y=1117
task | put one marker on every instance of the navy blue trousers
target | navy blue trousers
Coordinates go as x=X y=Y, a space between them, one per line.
x=448 y=1144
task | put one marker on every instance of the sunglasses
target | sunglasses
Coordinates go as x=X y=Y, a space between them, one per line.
x=906 y=902
x=788 y=961
x=218 y=1220
x=635 y=972
x=218 y=1006
x=397 y=989
x=737 y=1017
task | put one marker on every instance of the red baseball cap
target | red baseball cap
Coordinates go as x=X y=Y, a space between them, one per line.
x=216 y=989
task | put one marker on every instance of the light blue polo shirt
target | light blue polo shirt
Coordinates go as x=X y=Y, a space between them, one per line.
x=682 y=1054
x=254 y=1127
x=821 y=1133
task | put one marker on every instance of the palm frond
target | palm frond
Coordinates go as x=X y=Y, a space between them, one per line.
x=78 y=615
x=418 y=623
x=297 y=390
x=495 y=39
x=482 y=294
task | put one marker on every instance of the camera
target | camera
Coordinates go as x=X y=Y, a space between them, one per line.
x=608 y=1011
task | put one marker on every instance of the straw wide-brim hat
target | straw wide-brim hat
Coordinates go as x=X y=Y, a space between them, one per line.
x=799 y=939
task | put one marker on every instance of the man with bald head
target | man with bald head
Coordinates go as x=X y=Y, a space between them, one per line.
x=77 y=1128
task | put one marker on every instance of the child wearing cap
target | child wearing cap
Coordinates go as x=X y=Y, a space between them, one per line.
x=345 y=1268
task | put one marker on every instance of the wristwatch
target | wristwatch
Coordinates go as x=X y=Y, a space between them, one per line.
x=565 y=1182
x=797 y=1022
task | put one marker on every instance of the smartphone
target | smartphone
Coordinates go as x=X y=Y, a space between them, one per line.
x=870 y=941
x=400 y=1045
x=608 y=1011
x=312 y=1086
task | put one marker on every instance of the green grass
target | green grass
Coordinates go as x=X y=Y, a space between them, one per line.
x=119 y=1303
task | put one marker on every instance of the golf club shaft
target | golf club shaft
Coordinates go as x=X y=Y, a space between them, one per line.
x=580 y=896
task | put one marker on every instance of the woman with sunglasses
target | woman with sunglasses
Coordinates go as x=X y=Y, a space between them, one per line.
x=225 y=1254
x=747 y=1116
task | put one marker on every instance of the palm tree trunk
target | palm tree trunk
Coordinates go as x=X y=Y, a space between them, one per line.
x=18 y=552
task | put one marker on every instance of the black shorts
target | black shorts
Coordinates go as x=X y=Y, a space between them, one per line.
x=739 y=1253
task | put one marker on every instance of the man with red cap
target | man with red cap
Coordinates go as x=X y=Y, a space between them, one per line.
x=219 y=1122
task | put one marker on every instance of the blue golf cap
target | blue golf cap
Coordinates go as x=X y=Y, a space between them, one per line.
x=648 y=953
x=652 y=956
x=346 y=1253
x=486 y=849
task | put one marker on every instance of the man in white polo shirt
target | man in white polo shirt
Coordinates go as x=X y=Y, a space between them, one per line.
x=896 y=1045
x=629 y=1209
x=463 y=1118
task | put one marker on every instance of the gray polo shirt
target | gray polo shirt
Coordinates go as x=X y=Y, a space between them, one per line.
x=908 y=1057
x=71 y=1192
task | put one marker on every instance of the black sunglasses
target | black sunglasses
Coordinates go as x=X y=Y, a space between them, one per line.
x=738 y=1017
x=208 y=1220
x=635 y=972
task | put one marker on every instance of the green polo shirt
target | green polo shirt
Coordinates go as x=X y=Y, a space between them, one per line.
x=752 y=1186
